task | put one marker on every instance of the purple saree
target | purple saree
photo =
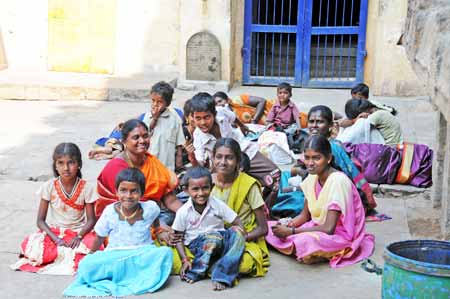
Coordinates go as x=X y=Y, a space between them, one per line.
x=408 y=163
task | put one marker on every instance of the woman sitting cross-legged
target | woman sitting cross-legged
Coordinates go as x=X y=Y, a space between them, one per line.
x=331 y=225
x=131 y=263
x=160 y=181
x=242 y=193
x=290 y=203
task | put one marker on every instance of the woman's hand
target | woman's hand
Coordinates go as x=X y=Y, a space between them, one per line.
x=171 y=238
x=187 y=265
x=164 y=237
x=60 y=242
x=75 y=242
x=238 y=229
x=281 y=231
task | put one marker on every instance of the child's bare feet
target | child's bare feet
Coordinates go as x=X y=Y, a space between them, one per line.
x=218 y=286
x=188 y=280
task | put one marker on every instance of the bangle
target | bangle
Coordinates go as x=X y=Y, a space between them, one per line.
x=294 y=189
x=293 y=230
x=186 y=260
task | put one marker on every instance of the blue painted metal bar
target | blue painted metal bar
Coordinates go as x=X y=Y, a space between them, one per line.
x=335 y=30
x=306 y=59
x=330 y=84
x=273 y=34
x=257 y=40
x=361 y=41
x=281 y=40
x=274 y=81
x=316 y=67
x=246 y=51
x=334 y=38
x=274 y=28
x=349 y=45
x=326 y=40
x=298 y=43
x=342 y=41
x=265 y=40
x=288 y=42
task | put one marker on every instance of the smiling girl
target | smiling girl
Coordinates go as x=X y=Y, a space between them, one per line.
x=131 y=263
x=331 y=225
x=63 y=237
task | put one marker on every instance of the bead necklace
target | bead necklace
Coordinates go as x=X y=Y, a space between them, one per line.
x=129 y=216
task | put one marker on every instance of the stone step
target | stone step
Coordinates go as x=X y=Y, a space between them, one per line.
x=79 y=86
x=397 y=190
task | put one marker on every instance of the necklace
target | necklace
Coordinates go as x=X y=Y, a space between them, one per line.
x=129 y=216
x=128 y=160
x=69 y=194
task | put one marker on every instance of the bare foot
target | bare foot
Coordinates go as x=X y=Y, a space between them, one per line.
x=187 y=279
x=218 y=286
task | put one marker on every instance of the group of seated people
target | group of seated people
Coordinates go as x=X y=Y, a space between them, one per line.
x=142 y=222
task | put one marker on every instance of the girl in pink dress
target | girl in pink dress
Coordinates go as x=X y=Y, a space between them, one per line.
x=331 y=226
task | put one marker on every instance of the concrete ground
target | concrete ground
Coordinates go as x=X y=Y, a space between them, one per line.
x=30 y=130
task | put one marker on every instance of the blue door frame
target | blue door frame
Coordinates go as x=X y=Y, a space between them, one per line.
x=329 y=52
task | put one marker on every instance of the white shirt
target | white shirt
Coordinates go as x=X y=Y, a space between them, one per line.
x=204 y=142
x=189 y=221
x=167 y=135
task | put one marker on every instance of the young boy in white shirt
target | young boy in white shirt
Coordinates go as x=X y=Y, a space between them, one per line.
x=202 y=221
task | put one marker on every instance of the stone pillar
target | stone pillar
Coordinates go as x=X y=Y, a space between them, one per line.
x=438 y=160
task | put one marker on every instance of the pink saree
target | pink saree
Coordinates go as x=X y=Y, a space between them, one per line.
x=349 y=244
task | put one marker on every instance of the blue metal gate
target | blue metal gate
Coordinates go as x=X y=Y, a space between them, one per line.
x=308 y=43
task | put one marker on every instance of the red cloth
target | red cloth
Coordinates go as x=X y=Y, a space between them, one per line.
x=159 y=181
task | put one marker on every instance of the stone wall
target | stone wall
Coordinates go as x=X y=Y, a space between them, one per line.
x=426 y=40
x=387 y=70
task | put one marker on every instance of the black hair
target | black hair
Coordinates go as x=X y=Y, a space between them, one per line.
x=220 y=94
x=165 y=90
x=355 y=107
x=244 y=165
x=361 y=88
x=130 y=125
x=203 y=102
x=196 y=173
x=285 y=85
x=319 y=143
x=67 y=149
x=233 y=145
x=187 y=108
x=325 y=112
x=132 y=175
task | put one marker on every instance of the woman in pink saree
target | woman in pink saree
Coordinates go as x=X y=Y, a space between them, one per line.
x=331 y=226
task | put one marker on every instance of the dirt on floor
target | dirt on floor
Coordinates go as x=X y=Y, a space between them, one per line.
x=423 y=219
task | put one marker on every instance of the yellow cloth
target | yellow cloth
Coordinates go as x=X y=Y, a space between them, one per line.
x=336 y=190
x=253 y=202
x=256 y=255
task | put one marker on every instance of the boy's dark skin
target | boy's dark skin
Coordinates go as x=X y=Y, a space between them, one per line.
x=199 y=190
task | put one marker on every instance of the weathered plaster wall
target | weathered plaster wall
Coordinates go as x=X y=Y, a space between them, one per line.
x=237 y=40
x=206 y=15
x=3 y=61
x=427 y=40
x=147 y=35
x=387 y=69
